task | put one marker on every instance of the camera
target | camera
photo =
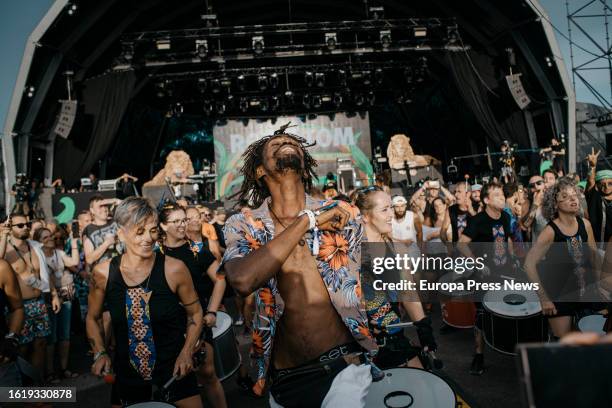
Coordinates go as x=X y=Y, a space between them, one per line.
x=21 y=188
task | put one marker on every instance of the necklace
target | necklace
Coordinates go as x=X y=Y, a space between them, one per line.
x=146 y=294
x=301 y=242
x=21 y=256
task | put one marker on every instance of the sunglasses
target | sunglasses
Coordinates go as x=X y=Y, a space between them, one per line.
x=368 y=189
x=22 y=224
x=207 y=214
x=606 y=183
x=537 y=183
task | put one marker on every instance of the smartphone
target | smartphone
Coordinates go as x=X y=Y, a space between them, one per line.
x=75 y=229
x=433 y=184
x=559 y=375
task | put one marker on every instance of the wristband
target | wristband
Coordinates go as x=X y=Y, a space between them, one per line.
x=311 y=218
x=11 y=336
x=99 y=354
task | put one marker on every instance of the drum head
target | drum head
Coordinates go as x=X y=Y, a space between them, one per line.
x=453 y=277
x=224 y=322
x=593 y=323
x=403 y=387
x=150 y=404
x=512 y=303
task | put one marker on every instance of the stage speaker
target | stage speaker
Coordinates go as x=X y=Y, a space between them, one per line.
x=65 y=119
x=518 y=92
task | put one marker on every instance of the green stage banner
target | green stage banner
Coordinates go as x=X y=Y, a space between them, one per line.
x=343 y=137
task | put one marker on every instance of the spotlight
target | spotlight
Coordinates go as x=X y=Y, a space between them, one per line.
x=30 y=91
x=419 y=32
x=371 y=98
x=201 y=48
x=331 y=40
x=308 y=78
x=72 y=8
x=320 y=79
x=258 y=44
x=359 y=99
x=452 y=34
x=549 y=62
x=378 y=76
x=316 y=101
x=177 y=109
x=275 y=103
x=274 y=80
x=385 y=38
x=337 y=99
x=241 y=81
x=408 y=75
x=163 y=44
x=208 y=107
x=306 y=100
x=244 y=104
x=262 y=81
x=342 y=77
x=220 y=108
x=376 y=13
x=202 y=85
x=215 y=84
x=127 y=51
x=264 y=105
x=226 y=83
x=289 y=98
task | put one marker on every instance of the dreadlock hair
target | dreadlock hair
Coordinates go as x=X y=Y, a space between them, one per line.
x=253 y=190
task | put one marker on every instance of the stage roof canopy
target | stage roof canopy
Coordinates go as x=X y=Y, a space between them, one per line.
x=261 y=58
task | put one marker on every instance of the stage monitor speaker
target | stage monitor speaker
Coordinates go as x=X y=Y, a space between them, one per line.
x=517 y=90
x=65 y=119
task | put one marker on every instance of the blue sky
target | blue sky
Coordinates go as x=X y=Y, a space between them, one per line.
x=19 y=18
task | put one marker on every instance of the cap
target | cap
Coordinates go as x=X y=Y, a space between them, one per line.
x=476 y=187
x=398 y=200
x=603 y=174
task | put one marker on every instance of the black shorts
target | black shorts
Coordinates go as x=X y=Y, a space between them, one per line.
x=127 y=394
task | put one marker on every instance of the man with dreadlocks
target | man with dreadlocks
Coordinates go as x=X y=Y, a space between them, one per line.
x=300 y=256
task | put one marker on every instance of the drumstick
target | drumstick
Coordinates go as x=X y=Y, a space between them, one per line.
x=170 y=381
x=399 y=325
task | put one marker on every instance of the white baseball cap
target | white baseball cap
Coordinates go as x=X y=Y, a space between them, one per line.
x=398 y=200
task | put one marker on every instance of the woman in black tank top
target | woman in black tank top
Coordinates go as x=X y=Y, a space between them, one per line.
x=202 y=265
x=566 y=272
x=156 y=315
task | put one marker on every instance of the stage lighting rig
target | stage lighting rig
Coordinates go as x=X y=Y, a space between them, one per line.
x=379 y=76
x=264 y=104
x=258 y=45
x=337 y=99
x=376 y=13
x=316 y=101
x=419 y=32
x=342 y=77
x=202 y=85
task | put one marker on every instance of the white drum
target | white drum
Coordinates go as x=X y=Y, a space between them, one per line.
x=410 y=387
x=512 y=317
x=592 y=324
x=227 y=355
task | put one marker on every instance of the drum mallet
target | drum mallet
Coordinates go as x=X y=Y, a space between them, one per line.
x=162 y=393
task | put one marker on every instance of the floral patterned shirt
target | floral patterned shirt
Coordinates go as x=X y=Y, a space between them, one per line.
x=338 y=263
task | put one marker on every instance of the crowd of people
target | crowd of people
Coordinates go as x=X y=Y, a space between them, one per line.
x=147 y=283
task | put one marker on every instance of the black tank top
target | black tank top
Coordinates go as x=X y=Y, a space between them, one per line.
x=149 y=339
x=197 y=260
x=568 y=261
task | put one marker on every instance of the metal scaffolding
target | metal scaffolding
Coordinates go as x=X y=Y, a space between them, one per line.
x=599 y=50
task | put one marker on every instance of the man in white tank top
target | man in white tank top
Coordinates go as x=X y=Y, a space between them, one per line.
x=406 y=227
